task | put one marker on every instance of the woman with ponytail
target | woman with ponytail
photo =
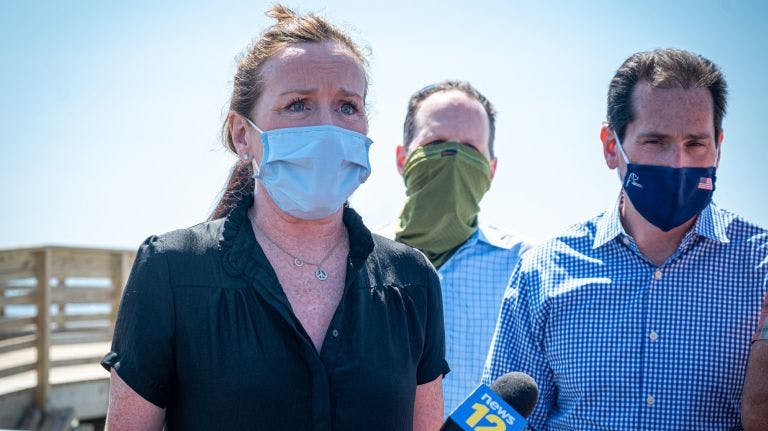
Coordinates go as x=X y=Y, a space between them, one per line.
x=283 y=311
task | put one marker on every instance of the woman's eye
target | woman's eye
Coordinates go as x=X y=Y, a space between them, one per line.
x=348 y=108
x=297 y=106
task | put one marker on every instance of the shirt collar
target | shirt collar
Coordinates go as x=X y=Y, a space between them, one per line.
x=609 y=225
x=242 y=254
x=711 y=224
x=491 y=236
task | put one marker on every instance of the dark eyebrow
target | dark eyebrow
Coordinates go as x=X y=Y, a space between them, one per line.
x=694 y=136
x=699 y=137
x=653 y=135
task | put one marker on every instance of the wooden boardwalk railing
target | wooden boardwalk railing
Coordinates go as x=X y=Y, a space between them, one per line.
x=57 y=312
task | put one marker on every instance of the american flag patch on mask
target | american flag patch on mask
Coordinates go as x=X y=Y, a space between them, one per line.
x=705 y=183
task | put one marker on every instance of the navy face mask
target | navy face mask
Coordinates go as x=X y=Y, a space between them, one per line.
x=667 y=197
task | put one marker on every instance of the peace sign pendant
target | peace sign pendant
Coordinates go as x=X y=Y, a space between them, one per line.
x=320 y=274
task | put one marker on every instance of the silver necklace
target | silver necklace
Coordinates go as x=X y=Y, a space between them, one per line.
x=320 y=273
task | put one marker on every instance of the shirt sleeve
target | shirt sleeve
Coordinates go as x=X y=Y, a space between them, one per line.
x=432 y=363
x=518 y=344
x=142 y=345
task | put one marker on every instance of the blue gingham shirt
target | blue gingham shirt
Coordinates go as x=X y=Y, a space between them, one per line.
x=615 y=342
x=473 y=282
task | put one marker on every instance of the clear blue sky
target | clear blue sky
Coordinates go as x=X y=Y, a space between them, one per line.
x=110 y=111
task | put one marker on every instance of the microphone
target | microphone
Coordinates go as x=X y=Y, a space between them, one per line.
x=503 y=406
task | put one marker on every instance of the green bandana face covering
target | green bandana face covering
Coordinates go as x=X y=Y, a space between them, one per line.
x=444 y=185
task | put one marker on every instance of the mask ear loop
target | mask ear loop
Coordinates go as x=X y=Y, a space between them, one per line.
x=626 y=162
x=256 y=170
x=620 y=147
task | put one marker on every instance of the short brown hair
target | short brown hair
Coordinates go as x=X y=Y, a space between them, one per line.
x=248 y=82
x=664 y=68
x=409 y=128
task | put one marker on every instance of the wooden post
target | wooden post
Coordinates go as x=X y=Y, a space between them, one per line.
x=2 y=293
x=121 y=268
x=43 y=275
x=60 y=317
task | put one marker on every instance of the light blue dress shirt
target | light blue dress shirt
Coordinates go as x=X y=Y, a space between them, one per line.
x=473 y=282
x=617 y=343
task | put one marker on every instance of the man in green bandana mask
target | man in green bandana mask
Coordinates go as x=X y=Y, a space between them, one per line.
x=448 y=163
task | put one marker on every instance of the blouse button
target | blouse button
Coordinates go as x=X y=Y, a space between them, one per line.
x=335 y=333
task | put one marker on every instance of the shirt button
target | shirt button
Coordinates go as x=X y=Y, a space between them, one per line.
x=625 y=240
x=335 y=333
x=650 y=400
x=657 y=274
x=653 y=335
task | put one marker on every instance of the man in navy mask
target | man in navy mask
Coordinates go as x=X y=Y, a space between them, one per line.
x=641 y=318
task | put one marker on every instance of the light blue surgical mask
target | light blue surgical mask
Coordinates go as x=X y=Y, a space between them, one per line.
x=309 y=172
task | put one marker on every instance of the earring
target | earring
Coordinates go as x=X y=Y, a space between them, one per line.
x=245 y=157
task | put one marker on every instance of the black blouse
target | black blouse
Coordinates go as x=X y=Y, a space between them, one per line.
x=206 y=331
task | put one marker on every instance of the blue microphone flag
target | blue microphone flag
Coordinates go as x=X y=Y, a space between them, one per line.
x=485 y=410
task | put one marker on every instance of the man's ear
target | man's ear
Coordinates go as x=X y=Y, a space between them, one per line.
x=401 y=154
x=608 y=137
x=719 y=147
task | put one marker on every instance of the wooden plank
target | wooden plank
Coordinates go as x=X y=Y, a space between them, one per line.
x=17 y=343
x=79 y=350
x=81 y=263
x=11 y=324
x=81 y=295
x=65 y=248
x=89 y=326
x=43 y=270
x=17 y=369
x=76 y=373
x=78 y=361
x=16 y=275
x=17 y=283
x=17 y=261
x=87 y=317
x=100 y=335
x=27 y=298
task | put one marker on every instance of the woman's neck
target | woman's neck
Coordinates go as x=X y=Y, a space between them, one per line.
x=291 y=231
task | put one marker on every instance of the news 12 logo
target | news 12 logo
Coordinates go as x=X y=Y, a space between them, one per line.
x=484 y=410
